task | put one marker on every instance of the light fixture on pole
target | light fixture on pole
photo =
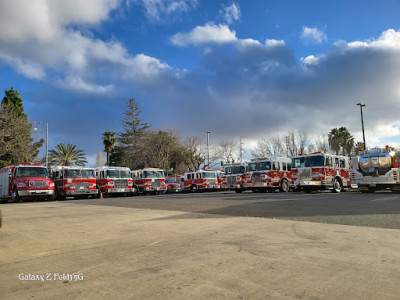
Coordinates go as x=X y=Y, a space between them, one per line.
x=362 y=123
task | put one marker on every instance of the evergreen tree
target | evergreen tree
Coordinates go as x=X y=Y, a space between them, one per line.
x=16 y=142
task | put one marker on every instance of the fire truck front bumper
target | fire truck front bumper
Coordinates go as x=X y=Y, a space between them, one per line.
x=155 y=189
x=32 y=193
x=311 y=182
x=121 y=190
x=81 y=192
x=262 y=184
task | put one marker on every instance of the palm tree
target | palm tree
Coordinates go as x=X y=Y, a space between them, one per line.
x=340 y=138
x=109 y=141
x=67 y=155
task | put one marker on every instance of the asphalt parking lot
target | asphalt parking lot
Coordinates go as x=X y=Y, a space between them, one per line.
x=212 y=245
x=381 y=209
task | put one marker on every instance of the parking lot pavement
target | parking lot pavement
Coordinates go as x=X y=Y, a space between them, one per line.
x=130 y=253
x=351 y=208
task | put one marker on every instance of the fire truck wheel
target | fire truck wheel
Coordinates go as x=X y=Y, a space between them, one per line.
x=337 y=186
x=50 y=198
x=193 y=188
x=238 y=190
x=14 y=196
x=284 y=186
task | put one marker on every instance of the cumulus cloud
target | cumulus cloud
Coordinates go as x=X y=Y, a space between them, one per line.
x=231 y=13
x=313 y=35
x=210 y=33
x=155 y=10
x=43 y=39
x=270 y=91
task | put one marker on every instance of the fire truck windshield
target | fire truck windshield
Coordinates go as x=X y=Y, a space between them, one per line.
x=72 y=173
x=234 y=170
x=32 y=172
x=264 y=165
x=88 y=173
x=112 y=173
x=298 y=162
x=153 y=174
x=252 y=167
x=315 y=161
x=125 y=174
x=209 y=175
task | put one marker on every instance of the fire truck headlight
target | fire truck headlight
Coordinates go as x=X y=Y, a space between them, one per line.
x=91 y=186
x=51 y=184
x=110 y=183
x=21 y=184
x=70 y=186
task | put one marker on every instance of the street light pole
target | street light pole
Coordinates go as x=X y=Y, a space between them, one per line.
x=47 y=144
x=208 y=150
x=362 y=123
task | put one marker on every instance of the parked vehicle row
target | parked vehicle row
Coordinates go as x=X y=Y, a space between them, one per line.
x=371 y=170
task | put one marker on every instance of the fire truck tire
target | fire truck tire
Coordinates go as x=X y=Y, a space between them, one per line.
x=193 y=188
x=238 y=190
x=284 y=186
x=337 y=185
x=14 y=196
x=50 y=198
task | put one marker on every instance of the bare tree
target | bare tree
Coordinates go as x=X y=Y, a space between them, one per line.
x=226 y=150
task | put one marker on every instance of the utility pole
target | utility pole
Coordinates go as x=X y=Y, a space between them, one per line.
x=208 y=149
x=47 y=144
x=362 y=123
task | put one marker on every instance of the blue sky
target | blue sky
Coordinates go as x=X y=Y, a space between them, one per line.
x=237 y=68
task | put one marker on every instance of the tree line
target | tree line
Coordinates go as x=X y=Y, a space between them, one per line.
x=140 y=145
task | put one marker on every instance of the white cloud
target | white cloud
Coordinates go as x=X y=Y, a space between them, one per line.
x=313 y=35
x=231 y=13
x=210 y=33
x=76 y=83
x=309 y=60
x=41 y=39
x=155 y=10
x=274 y=43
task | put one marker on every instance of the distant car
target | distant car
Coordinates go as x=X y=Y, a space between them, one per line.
x=172 y=185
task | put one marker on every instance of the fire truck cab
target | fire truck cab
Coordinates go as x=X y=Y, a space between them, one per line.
x=114 y=180
x=73 y=182
x=149 y=180
x=270 y=174
x=203 y=180
x=319 y=171
x=376 y=169
x=234 y=177
x=26 y=181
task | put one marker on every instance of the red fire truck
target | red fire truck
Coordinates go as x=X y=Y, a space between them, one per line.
x=319 y=171
x=233 y=178
x=149 y=180
x=26 y=181
x=73 y=182
x=114 y=180
x=270 y=174
x=173 y=183
x=203 y=180
x=376 y=169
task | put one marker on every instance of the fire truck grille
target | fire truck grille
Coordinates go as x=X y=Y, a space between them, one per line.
x=156 y=183
x=231 y=179
x=120 y=183
x=38 y=184
x=81 y=185
x=305 y=174
x=255 y=177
